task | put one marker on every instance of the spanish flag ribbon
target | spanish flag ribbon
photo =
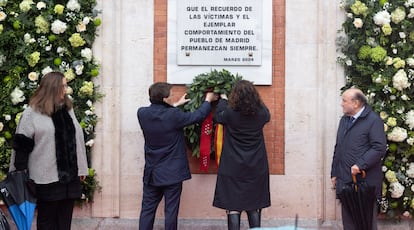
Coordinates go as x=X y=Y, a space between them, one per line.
x=218 y=142
x=205 y=142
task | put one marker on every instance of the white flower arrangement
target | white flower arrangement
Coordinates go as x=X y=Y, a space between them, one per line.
x=47 y=36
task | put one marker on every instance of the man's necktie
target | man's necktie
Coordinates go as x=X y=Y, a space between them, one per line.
x=349 y=123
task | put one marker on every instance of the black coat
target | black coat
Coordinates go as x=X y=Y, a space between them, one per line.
x=165 y=149
x=243 y=174
x=363 y=144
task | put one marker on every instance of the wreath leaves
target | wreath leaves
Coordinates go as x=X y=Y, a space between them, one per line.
x=219 y=82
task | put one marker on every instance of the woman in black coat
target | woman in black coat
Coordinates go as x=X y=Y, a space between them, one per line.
x=243 y=174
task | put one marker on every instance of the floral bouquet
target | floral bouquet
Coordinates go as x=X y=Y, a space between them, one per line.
x=377 y=45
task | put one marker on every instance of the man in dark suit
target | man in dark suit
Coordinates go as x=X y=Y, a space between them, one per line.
x=360 y=146
x=166 y=163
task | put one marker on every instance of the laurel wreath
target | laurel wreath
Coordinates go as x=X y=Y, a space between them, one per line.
x=215 y=81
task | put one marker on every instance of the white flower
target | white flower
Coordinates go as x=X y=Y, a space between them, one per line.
x=410 y=61
x=7 y=117
x=371 y=42
x=408 y=3
x=410 y=141
x=358 y=23
x=400 y=110
x=41 y=5
x=69 y=90
x=86 y=20
x=79 y=69
x=400 y=80
x=90 y=143
x=409 y=119
x=33 y=76
x=396 y=189
x=46 y=70
x=404 y=97
x=411 y=14
x=89 y=103
x=3 y=16
x=58 y=27
x=1 y=126
x=348 y=62
x=382 y=17
x=73 y=5
x=87 y=54
x=88 y=113
x=2 y=59
x=406 y=214
x=25 y=5
x=28 y=39
x=17 y=96
x=410 y=171
x=81 y=27
x=402 y=35
x=397 y=134
x=61 y=50
x=389 y=60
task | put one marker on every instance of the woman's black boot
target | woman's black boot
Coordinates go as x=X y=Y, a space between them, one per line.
x=233 y=220
x=254 y=218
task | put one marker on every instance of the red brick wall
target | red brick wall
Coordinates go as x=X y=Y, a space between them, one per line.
x=273 y=96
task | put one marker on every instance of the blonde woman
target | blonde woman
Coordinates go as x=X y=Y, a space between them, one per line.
x=49 y=143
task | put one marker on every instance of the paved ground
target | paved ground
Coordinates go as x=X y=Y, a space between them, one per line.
x=132 y=224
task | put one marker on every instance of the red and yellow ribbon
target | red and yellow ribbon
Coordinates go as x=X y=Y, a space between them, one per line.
x=205 y=142
x=218 y=142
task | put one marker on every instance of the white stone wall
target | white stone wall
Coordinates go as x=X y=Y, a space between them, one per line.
x=313 y=80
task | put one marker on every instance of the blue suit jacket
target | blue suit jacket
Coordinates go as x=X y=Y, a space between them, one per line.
x=363 y=144
x=166 y=160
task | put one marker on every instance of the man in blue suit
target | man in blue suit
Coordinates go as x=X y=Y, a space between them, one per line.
x=360 y=146
x=166 y=163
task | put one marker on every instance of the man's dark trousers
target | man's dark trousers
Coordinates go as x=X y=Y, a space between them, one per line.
x=152 y=195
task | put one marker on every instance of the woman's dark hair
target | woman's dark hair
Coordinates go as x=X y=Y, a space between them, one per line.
x=46 y=99
x=245 y=98
x=158 y=91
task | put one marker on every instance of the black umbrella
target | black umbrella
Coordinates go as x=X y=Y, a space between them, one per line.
x=358 y=198
x=4 y=224
x=19 y=199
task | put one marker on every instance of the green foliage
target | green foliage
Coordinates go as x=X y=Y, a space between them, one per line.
x=219 y=82
x=35 y=38
x=376 y=41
